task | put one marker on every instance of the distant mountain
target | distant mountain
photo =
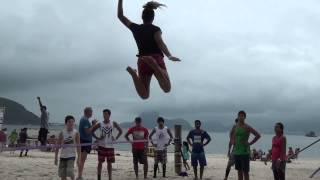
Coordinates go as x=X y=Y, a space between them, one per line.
x=214 y=126
x=149 y=120
x=290 y=127
x=302 y=127
x=17 y=114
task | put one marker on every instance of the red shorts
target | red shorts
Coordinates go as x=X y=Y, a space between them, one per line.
x=106 y=153
x=145 y=70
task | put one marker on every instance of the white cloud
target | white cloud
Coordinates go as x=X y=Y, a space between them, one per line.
x=256 y=55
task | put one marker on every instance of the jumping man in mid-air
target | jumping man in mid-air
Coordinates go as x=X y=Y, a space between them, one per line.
x=151 y=49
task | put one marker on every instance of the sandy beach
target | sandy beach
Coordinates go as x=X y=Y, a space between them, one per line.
x=39 y=165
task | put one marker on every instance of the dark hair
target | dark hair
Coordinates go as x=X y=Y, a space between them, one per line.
x=44 y=107
x=69 y=117
x=185 y=143
x=160 y=119
x=107 y=110
x=87 y=109
x=138 y=120
x=280 y=125
x=148 y=15
x=148 y=12
x=236 y=120
x=197 y=121
x=242 y=112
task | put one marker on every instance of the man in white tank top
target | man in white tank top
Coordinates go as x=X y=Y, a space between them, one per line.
x=69 y=139
x=105 y=142
x=163 y=139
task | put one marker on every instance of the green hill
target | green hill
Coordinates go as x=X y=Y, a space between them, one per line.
x=17 y=114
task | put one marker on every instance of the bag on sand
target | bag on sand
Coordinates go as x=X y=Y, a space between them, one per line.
x=183 y=174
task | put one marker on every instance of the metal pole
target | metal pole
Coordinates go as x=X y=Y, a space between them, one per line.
x=177 y=148
x=314 y=173
x=295 y=154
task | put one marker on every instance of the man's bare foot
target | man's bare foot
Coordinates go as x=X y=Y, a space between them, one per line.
x=131 y=70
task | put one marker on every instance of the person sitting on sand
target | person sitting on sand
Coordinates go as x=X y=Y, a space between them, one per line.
x=231 y=160
x=106 y=148
x=268 y=156
x=254 y=155
x=198 y=139
x=242 y=146
x=278 y=154
x=151 y=49
x=290 y=155
x=260 y=154
x=68 y=136
x=163 y=140
x=139 y=149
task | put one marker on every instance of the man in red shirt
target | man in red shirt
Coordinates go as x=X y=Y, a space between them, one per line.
x=139 y=149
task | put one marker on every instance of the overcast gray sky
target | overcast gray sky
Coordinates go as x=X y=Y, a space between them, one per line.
x=261 y=56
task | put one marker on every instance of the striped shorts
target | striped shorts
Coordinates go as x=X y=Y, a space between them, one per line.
x=106 y=154
x=160 y=156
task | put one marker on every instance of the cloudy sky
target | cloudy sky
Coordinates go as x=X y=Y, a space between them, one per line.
x=261 y=56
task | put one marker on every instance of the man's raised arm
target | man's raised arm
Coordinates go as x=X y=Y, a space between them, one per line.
x=121 y=17
x=40 y=103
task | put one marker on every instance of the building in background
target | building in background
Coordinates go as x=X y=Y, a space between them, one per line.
x=2 y=113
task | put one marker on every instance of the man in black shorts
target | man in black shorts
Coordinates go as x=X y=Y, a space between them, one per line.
x=85 y=129
x=44 y=124
x=139 y=149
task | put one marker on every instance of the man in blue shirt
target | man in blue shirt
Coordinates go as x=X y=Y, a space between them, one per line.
x=85 y=129
x=196 y=139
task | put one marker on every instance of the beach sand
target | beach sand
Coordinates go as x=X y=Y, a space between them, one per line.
x=39 y=165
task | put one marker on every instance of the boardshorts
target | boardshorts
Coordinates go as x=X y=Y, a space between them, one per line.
x=106 y=154
x=145 y=70
x=198 y=159
x=242 y=163
x=66 y=167
x=160 y=156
